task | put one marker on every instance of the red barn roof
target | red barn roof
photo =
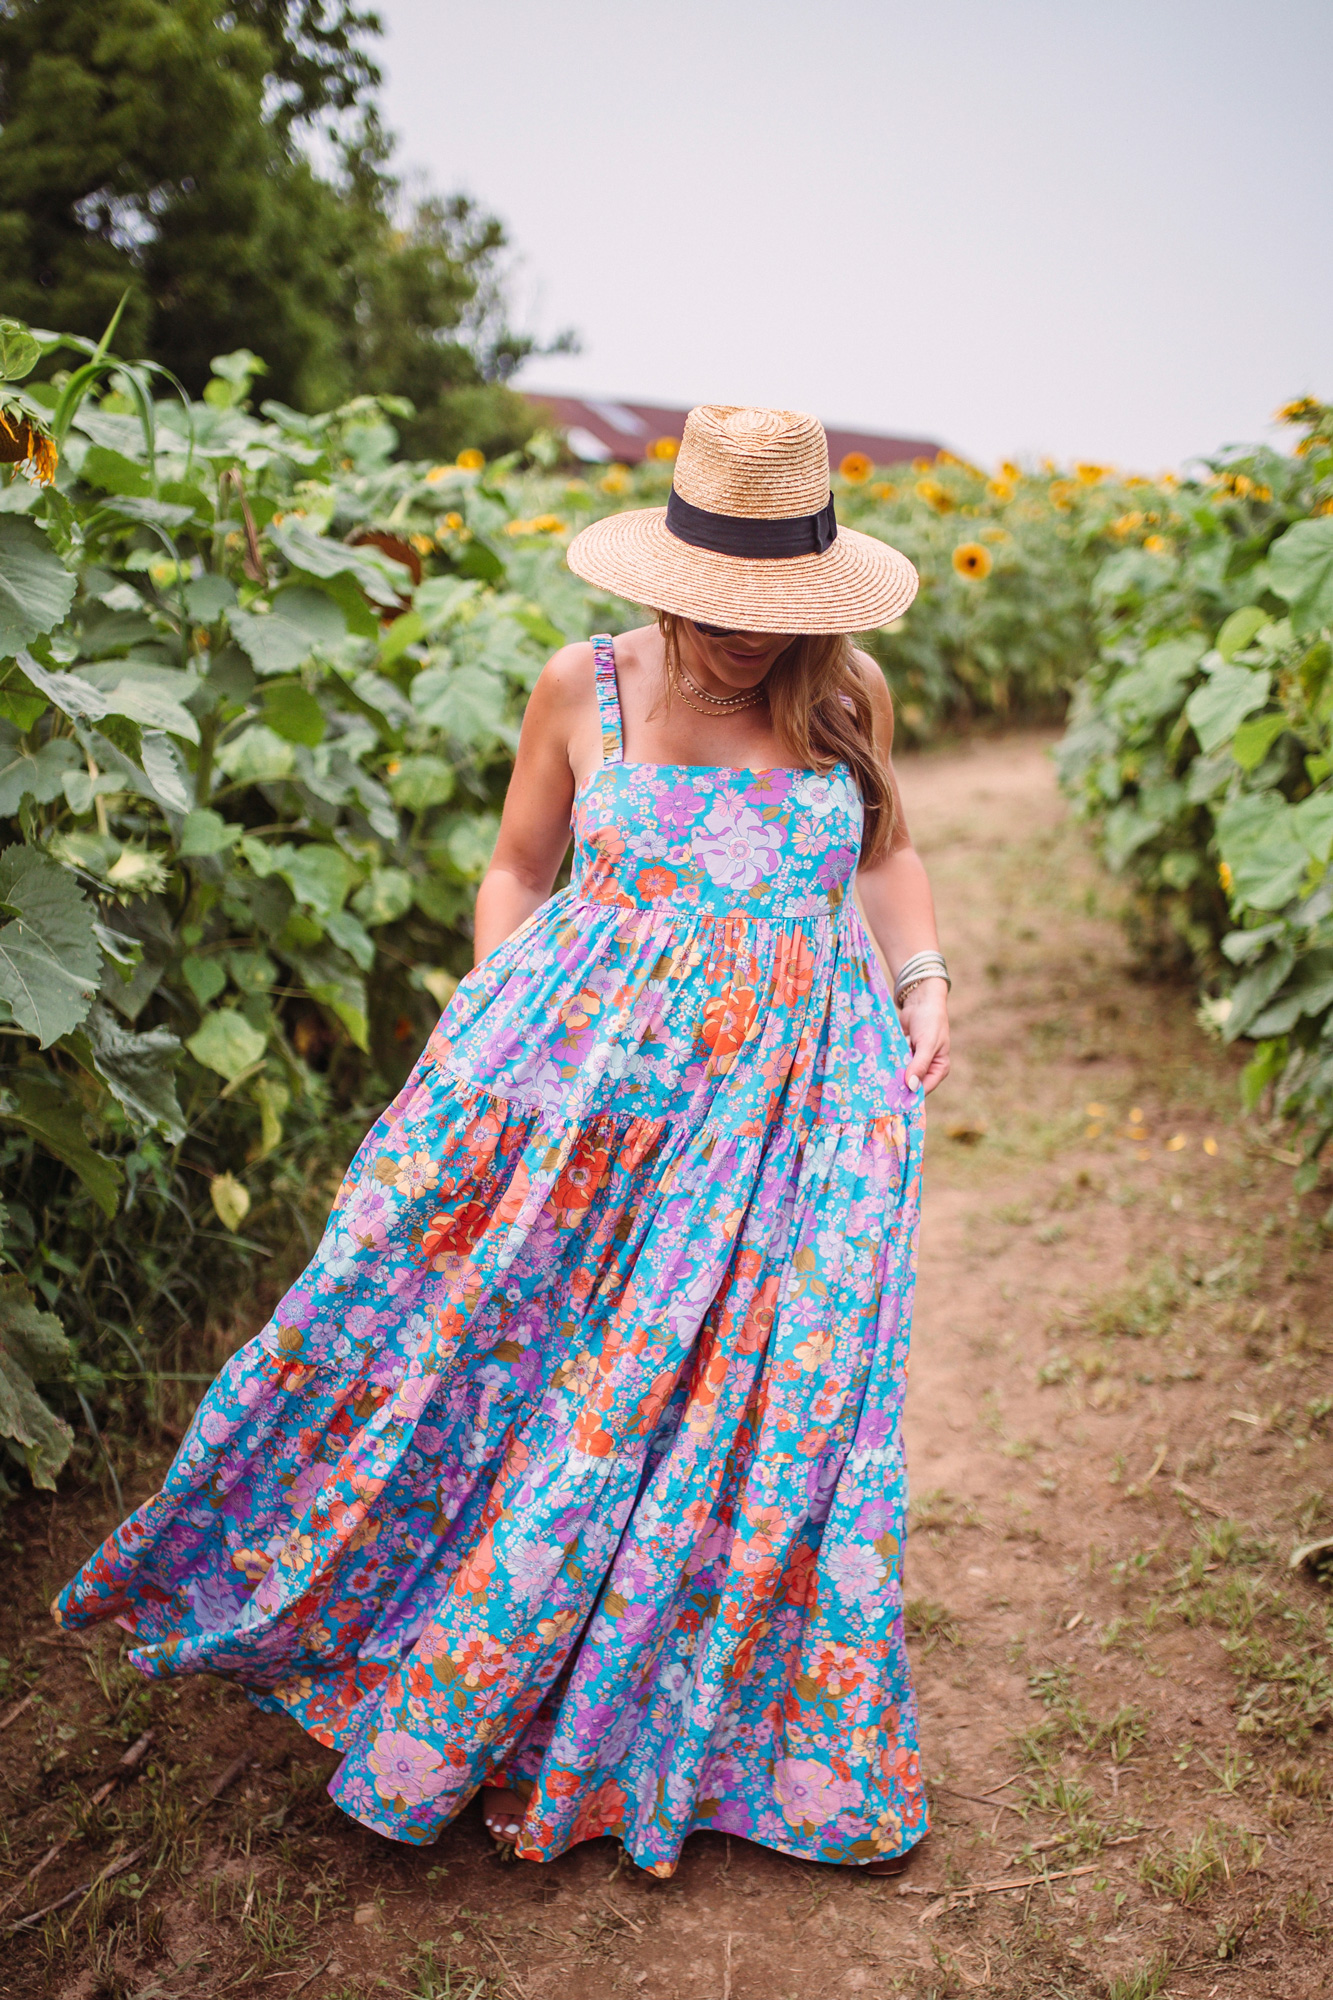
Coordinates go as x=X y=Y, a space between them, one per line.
x=600 y=429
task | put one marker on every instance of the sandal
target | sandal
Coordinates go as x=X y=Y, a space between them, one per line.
x=502 y=1815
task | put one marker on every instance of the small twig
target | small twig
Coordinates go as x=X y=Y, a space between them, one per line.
x=133 y=1757
x=1197 y=1500
x=84 y=1889
x=997 y=1888
x=311 y=1976
x=621 y=1915
x=726 y=1979
x=13 y=1714
x=980 y=1798
x=228 y=1776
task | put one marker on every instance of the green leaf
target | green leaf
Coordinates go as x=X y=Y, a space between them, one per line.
x=440 y=598
x=36 y=590
x=471 y=843
x=1260 y=842
x=1300 y=565
x=1255 y=738
x=281 y=640
x=139 y=701
x=225 y=1041
x=1239 y=629
x=50 y=961
x=230 y=1199
x=1216 y=709
x=1308 y=991
x=421 y=782
x=468 y=703
x=205 y=977
x=136 y=1069
x=33 y=1348
x=1151 y=690
x=208 y=596
x=206 y=832
x=382 y=579
x=294 y=713
x=258 y=756
x=164 y=771
x=384 y=898
x=42 y=1108
x=318 y=875
x=1313 y=821
x=273 y=1098
x=344 y=929
x=112 y=472
x=337 y=987
x=404 y=632
x=19 y=703
x=39 y=772
x=19 y=351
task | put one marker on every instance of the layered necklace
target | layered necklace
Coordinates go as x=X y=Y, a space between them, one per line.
x=713 y=704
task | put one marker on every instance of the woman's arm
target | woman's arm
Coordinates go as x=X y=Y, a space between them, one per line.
x=900 y=912
x=534 y=828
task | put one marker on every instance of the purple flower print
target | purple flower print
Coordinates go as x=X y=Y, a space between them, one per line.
x=391 y=1522
x=810 y=1794
x=405 y=1768
x=856 y=1570
x=676 y=807
x=735 y=845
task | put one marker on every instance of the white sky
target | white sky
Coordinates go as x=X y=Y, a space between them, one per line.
x=1016 y=226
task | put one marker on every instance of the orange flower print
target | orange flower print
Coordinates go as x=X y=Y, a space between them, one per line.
x=585 y=1170
x=729 y=1019
x=814 y=1352
x=793 y=970
x=416 y=1175
x=453 y=1232
x=585 y=1008
x=656 y=883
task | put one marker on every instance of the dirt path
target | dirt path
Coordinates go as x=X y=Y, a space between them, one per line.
x=1119 y=1427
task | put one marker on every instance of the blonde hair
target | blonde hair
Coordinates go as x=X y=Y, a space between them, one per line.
x=821 y=716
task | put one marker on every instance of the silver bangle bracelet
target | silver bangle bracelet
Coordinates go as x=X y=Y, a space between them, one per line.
x=920 y=966
x=920 y=980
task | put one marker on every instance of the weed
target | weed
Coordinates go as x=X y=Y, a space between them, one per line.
x=428 y=1979
x=931 y=1623
x=942 y=1511
x=1143 y=1984
x=1138 y=1312
x=1188 y=1871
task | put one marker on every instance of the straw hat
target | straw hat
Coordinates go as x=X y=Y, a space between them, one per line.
x=748 y=539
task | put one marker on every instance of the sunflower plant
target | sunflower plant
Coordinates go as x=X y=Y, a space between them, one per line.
x=1200 y=748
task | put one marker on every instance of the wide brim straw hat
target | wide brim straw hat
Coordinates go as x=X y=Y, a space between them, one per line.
x=748 y=539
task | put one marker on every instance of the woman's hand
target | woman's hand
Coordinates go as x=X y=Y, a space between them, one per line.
x=925 y=1017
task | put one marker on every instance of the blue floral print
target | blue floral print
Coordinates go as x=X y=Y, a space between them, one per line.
x=573 y=1461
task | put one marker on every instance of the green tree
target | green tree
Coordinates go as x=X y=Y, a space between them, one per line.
x=158 y=146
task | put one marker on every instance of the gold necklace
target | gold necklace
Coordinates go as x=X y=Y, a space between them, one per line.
x=719 y=704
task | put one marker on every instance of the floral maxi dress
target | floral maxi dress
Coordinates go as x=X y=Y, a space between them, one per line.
x=573 y=1462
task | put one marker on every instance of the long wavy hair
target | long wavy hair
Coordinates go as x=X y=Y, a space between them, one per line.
x=821 y=716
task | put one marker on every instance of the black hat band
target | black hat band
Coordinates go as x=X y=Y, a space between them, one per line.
x=739 y=535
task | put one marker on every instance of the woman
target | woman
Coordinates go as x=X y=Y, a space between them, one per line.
x=570 y=1469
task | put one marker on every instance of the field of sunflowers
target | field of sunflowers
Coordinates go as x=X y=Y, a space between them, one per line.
x=260 y=685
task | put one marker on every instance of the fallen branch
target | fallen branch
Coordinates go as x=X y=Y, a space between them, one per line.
x=953 y=1896
x=1197 y=1500
x=84 y=1889
x=13 y=1714
x=130 y=1762
x=980 y=1798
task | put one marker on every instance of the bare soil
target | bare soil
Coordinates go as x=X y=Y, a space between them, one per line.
x=1119 y=1428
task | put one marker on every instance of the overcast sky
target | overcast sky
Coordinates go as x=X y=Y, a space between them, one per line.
x=1016 y=226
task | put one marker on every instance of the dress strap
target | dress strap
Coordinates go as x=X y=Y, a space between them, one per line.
x=608 y=698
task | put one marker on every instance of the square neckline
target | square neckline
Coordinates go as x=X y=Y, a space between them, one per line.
x=613 y=732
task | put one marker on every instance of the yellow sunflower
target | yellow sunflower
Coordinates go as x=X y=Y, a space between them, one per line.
x=549 y=524
x=883 y=489
x=665 y=447
x=1155 y=545
x=1299 y=412
x=1092 y=475
x=470 y=459
x=1062 y=492
x=1000 y=489
x=1008 y=470
x=28 y=446
x=934 y=495
x=437 y=473
x=973 y=559
x=856 y=468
